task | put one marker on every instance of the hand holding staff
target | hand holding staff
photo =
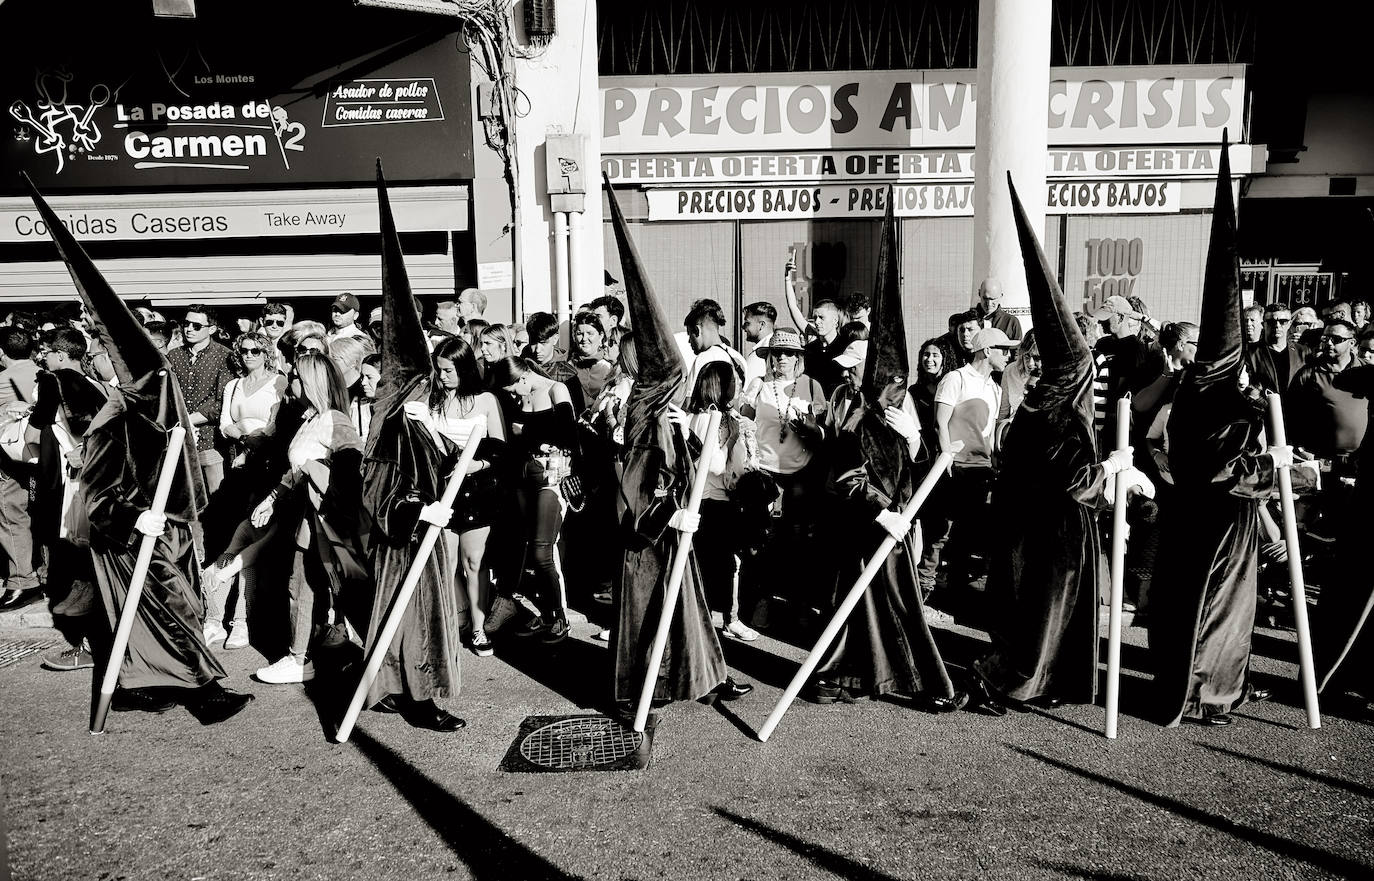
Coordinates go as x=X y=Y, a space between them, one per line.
x=674 y=586
x=1306 y=670
x=1118 y=569
x=129 y=613
x=937 y=470
x=407 y=588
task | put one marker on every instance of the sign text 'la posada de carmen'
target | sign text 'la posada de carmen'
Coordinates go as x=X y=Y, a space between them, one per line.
x=1120 y=140
x=244 y=102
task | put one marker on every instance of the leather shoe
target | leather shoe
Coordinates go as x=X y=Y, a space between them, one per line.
x=949 y=704
x=1260 y=694
x=1050 y=703
x=729 y=690
x=1218 y=720
x=140 y=700
x=213 y=703
x=427 y=714
x=823 y=691
x=981 y=697
x=388 y=704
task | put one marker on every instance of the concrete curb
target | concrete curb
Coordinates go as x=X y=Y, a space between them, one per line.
x=34 y=615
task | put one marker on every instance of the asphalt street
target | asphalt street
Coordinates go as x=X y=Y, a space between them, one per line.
x=870 y=791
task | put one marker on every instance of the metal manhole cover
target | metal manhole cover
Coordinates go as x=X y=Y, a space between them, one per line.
x=577 y=743
x=12 y=650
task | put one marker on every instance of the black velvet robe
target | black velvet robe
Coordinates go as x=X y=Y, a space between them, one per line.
x=166 y=646
x=886 y=645
x=1042 y=586
x=405 y=471
x=657 y=480
x=1203 y=599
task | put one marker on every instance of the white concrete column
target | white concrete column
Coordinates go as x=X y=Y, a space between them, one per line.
x=560 y=266
x=1013 y=100
x=560 y=92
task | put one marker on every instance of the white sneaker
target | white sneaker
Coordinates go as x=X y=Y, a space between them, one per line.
x=238 y=636
x=214 y=632
x=741 y=631
x=286 y=671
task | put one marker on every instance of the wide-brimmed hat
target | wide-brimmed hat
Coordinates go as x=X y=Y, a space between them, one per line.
x=784 y=339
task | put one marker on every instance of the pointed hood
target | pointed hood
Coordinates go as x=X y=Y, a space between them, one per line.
x=147 y=386
x=405 y=349
x=887 y=354
x=1220 y=338
x=1067 y=362
x=660 y=360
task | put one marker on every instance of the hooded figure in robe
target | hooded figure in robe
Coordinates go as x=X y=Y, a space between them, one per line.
x=1203 y=599
x=874 y=445
x=1043 y=567
x=405 y=470
x=660 y=465
x=167 y=660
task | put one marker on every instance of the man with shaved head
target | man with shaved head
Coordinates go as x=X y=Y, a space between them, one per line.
x=990 y=313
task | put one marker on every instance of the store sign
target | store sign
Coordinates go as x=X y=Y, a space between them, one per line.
x=1177 y=104
x=707 y=168
x=235 y=215
x=909 y=200
x=233 y=110
x=1114 y=265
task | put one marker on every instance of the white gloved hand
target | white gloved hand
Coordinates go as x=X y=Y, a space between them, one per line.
x=685 y=521
x=152 y=524
x=901 y=422
x=436 y=514
x=1282 y=456
x=1118 y=461
x=896 y=525
x=262 y=514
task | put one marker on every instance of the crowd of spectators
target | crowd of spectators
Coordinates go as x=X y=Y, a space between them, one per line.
x=282 y=406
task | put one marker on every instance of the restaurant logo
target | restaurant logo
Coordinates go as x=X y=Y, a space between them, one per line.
x=55 y=123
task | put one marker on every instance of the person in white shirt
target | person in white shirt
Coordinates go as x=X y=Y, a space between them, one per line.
x=966 y=405
x=759 y=320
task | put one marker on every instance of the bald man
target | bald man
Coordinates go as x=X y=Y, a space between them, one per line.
x=990 y=313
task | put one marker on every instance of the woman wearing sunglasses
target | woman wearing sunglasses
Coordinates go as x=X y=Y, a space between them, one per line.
x=247 y=418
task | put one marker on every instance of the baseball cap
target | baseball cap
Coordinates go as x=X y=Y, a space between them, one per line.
x=992 y=338
x=347 y=303
x=854 y=353
x=1116 y=305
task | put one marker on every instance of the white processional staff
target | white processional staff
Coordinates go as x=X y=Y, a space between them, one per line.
x=1118 y=570
x=675 y=575
x=1298 y=588
x=129 y=613
x=856 y=592
x=407 y=588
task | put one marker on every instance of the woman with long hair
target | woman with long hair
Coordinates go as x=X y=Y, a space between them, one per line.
x=544 y=433
x=457 y=405
x=730 y=457
x=494 y=342
x=248 y=418
x=934 y=360
x=323 y=493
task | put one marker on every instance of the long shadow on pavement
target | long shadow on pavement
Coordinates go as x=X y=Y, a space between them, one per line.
x=826 y=859
x=1326 y=779
x=1282 y=846
x=1088 y=874
x=577 y=670
x=488 y=851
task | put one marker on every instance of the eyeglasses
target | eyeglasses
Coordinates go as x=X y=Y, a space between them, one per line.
x=274 y=322
x=1277 y=320
x=1334 y=339
x=247 y=350
x=339 y=310
x=303 y=348
x=193 y=325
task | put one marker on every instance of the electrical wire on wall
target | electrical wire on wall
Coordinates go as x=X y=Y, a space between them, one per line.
x=488 y=35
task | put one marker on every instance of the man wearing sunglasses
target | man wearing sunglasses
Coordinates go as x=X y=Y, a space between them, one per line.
x=1275 y=361
x=201 y=366
x=344 y=315
x=276 y=318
